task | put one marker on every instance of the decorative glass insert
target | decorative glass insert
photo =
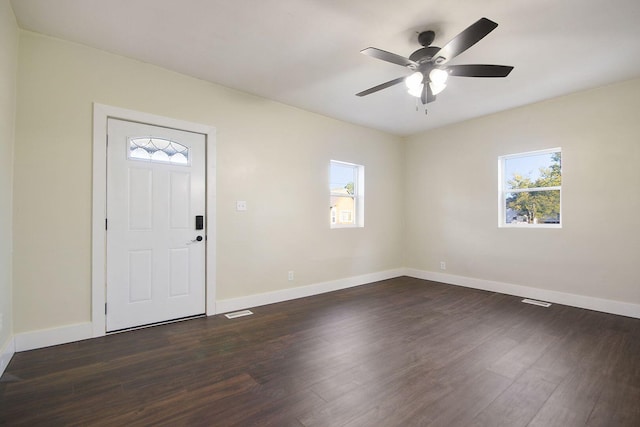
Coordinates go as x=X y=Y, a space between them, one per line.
x=156 y=149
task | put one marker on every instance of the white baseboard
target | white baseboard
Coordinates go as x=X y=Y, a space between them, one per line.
x=6 y=353
x=233 y=304
x=65 y=334
x=54 y=336
x=581 y=301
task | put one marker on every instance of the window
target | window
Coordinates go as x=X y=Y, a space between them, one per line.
x=346 y=217
x=346 y=190
x=161 y=150
x=530 y=189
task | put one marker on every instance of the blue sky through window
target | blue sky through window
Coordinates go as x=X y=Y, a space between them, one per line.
x=341 y=175
x=527 y=165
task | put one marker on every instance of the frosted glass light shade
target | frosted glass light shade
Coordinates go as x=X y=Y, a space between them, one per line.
x=414 y=84
x=436 y=88
x=414 y=80
x=438 y=76
x=438 y=79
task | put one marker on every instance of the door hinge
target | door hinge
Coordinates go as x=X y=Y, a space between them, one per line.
x=105 y=308
x=105 y=224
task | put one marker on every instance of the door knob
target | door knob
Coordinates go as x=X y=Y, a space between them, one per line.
x=197 y=239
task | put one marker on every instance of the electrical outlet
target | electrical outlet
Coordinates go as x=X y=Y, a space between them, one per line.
x=443 y=265
x=241 y=205
x=290 y=274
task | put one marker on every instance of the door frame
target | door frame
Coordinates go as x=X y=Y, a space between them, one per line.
x=101 y=113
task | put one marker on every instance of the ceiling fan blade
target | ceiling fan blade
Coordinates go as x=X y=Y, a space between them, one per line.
x=389 y=57
x=479 y=70
x=381 y=86
x=463 y=41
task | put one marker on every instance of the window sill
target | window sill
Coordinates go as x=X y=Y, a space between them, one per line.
x=530 y=226
x=334 y=227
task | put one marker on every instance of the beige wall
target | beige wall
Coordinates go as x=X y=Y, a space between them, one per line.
x=276 y=158
x=8 y=64
x=452 y=203
x=273 y=156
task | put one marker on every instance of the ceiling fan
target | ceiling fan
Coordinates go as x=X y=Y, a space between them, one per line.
x=428 y=63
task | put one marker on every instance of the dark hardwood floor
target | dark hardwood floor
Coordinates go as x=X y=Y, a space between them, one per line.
x=402 y=352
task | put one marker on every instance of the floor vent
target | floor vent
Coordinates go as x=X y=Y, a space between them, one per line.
x=535 y=302
x=238 y=314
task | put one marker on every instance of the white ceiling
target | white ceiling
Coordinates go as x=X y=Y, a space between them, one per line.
x=305 y=53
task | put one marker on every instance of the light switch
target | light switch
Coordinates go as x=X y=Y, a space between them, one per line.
x=241 y=205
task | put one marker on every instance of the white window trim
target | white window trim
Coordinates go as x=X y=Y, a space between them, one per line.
x=502 y=212
x=358 y=196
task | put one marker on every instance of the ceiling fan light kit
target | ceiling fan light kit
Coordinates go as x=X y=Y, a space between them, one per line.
x=429 y=63
x=437 y=80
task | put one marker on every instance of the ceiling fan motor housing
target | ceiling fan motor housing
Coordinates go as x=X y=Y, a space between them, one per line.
x=424 y=55
x=425 y=38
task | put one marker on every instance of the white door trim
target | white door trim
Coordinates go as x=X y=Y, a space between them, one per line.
x=98 y=245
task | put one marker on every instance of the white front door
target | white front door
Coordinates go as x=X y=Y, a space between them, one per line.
x=155 y=224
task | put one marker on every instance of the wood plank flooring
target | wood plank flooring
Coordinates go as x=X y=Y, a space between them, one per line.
x=402 y=352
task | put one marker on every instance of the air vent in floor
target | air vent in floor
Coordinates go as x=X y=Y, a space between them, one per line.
x=535 y=302
x=238 y=314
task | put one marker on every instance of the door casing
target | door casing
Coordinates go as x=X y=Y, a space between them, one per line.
x=99 y=195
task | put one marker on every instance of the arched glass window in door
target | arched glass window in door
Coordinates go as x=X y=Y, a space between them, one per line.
x=154 y=149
